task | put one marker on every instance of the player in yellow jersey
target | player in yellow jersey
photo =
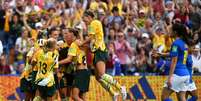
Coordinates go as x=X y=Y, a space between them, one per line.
x=98 y=47
x=77 y=55
x=29 y=73
x=25 y=80
x=46 y=61
x=65 y=84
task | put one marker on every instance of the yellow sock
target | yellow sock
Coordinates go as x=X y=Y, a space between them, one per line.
x=37 y=98
x=107 y=86
x=112 y=81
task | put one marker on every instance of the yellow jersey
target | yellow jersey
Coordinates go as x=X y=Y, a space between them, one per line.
x=96 y=31
x=118 y=5
x=63 y=53
x=28 y=68
x=158 y=40
x=46 y=63
x=79 y=56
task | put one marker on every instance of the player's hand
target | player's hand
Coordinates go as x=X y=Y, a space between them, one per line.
x=59 y=75
x=169 y=82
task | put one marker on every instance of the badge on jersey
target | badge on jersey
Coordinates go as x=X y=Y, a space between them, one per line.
x=91 y=30
x=174 y=49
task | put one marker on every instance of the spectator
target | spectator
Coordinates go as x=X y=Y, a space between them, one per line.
x=194 y=18
x=147 y=28
x=4 y=67
x=15 y=29
x=158 y=22
x=111 y=62
x=141 y=20
x=181 y=14
x=115 y=18
x=196 y=57
x=123 y=50
x=112 y=36
x=169 y=10
x=21 y=46
x=132 y=37
x=141 y=61
x=158 y=6
x=159 y=39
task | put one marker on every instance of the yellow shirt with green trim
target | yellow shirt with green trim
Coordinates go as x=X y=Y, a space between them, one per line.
x=28 y=67
x=79 y=56
x=46 y=63
x=96 y=31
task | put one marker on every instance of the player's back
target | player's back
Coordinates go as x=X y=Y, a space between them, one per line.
x=46 y=62
x=180 y=49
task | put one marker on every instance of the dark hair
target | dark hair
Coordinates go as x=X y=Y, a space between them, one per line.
x=89 y=13
x=49 y=44
x=181 y=31
x=115 y=9
x=53 y=29
x=74 y=31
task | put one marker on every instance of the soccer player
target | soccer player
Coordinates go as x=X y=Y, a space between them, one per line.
x=179 y=75
x=47 y=62
x=66 y=69
x=25 y=81
x=98 y=47
x=192 y=90
x=77 y=55
x=29 y=73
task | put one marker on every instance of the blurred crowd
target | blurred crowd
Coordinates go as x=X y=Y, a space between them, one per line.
x=133 y=30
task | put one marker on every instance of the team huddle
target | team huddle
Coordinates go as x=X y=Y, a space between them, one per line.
x=59 y=68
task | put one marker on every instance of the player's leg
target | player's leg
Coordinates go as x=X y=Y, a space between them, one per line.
x=63 y=89
x=38 y=96
x=166 y=92
x=62 y=92
x=75 y=94
x=182 y=96
x=99 y=61
x=83 y=96
x=57 y=84
x=26 y=88
x=69 y=84
x=194 y=95
x=192 y=90
x=103 y=78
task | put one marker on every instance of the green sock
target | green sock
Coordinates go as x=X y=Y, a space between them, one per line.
x=107 y=86
x=37 y=98
x=65 y=99
x=112 y=81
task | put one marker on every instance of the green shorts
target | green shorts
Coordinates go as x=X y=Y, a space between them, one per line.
x=81 y=80
x=33 y=75
x=47 y=91
x=56 y=81
x=100 y=56
x=67 y=80
x=25 y=85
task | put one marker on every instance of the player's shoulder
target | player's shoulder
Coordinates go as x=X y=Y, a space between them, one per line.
x=56 y=52
x=178 y=42
x=96 y=22
x=74 y=44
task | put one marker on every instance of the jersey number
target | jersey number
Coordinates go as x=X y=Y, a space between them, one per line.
x=43 y=66
x=185 y=56
x=84 y=60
